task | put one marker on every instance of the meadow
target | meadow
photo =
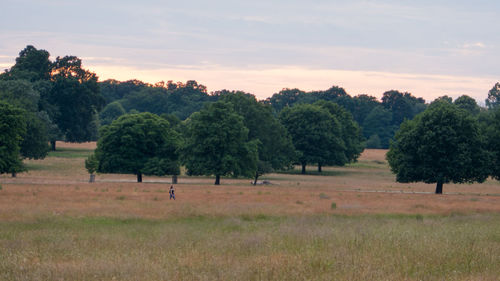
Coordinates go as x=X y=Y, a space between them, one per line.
x=346 y=223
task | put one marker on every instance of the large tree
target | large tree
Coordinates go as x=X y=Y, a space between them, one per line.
x=217 y=143
x=441 y=145
x=12 y=129
x=350 y=131
x=138 y=144
x=20 y=93
x=76 y=94
x=275 y=146
x=316 y=135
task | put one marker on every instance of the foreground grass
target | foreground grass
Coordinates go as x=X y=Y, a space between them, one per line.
x=257 y=247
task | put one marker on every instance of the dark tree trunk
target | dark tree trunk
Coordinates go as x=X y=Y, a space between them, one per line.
x=319 y=167
x=92 y=178
x=14 y=174
x=139 y=177
x=439 y=188
x=174 y=179
x=53 y=145
x=303 y=168
x=256 y=177
x=217 y=180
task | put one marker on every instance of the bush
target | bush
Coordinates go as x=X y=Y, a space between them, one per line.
x=323 y=196
x=334 y=206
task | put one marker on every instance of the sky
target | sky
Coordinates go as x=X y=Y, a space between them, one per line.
x=427 y=48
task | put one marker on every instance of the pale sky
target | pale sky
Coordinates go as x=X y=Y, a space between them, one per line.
x=428 y=48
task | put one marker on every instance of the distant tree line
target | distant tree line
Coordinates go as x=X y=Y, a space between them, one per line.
x=148 y=129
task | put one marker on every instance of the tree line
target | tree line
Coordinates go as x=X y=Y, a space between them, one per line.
x=154 y=129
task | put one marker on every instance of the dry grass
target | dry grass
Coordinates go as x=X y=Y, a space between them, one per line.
x=52 y=221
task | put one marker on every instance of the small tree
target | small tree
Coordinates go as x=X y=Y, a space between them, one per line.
x=139 y=144
x=91 y=165
x=440 y=145
x=217 y=143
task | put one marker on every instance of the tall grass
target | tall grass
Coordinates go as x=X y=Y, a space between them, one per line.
x=253 y=247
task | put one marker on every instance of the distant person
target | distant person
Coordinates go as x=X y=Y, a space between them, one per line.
x=172 y=192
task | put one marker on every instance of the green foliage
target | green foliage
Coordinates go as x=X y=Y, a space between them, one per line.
x=441 y=145
x=316 y=134
x=468 y=104
x=12 y=129
x=139 y=144
x=275 y=147
x=31 y=65
x=350 y=131
x=333 y=206
x=493 y=99
x=491 y=129
x=91 y=164
x=111 y=112
x=217 y=143
x=379 y=122
x=35 y=141
x=76 y=94
x=374 y=142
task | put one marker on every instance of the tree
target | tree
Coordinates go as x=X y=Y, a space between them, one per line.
x=350 y=131
x=379 y=122
x=491 y=128
x=75 y=92
x=493 y=99
x=31 y=65
x=111 y=112
x=20 y=93
x=138 y=144
x=468 y=104
x=275 y=145
x=12 y=128
x=441 y=145
x=91 y=164
x=316 y=135
x=217 y=143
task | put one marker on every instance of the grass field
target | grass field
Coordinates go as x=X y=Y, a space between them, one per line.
x=347 y=223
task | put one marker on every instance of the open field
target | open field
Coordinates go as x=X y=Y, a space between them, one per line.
x=349 y=223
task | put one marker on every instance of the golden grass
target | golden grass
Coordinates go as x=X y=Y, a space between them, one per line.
x=54 y=225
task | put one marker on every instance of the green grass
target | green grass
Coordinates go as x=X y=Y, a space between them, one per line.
x=70 y=153
x=253 y=247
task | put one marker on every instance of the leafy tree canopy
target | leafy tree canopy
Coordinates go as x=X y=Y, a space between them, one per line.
x=217 y=143
x=441 y=145
x=493 y=99
x=316 y=135
x=12 y=130
x=275 y=146
x=138 y=144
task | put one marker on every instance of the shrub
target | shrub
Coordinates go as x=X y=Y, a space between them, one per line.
x=323 y=196
x=334 y=206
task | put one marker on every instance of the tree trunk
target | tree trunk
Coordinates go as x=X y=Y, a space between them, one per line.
x=139 y=177
x=439 y=188
x=303 y=168
x=217 y=180
x=14 y=174
x=53 y=145
x=92 y=178
x=256 y=177
x=174 y=179
x=319 y=167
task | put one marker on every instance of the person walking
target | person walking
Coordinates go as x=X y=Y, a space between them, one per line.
x=172 y=192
